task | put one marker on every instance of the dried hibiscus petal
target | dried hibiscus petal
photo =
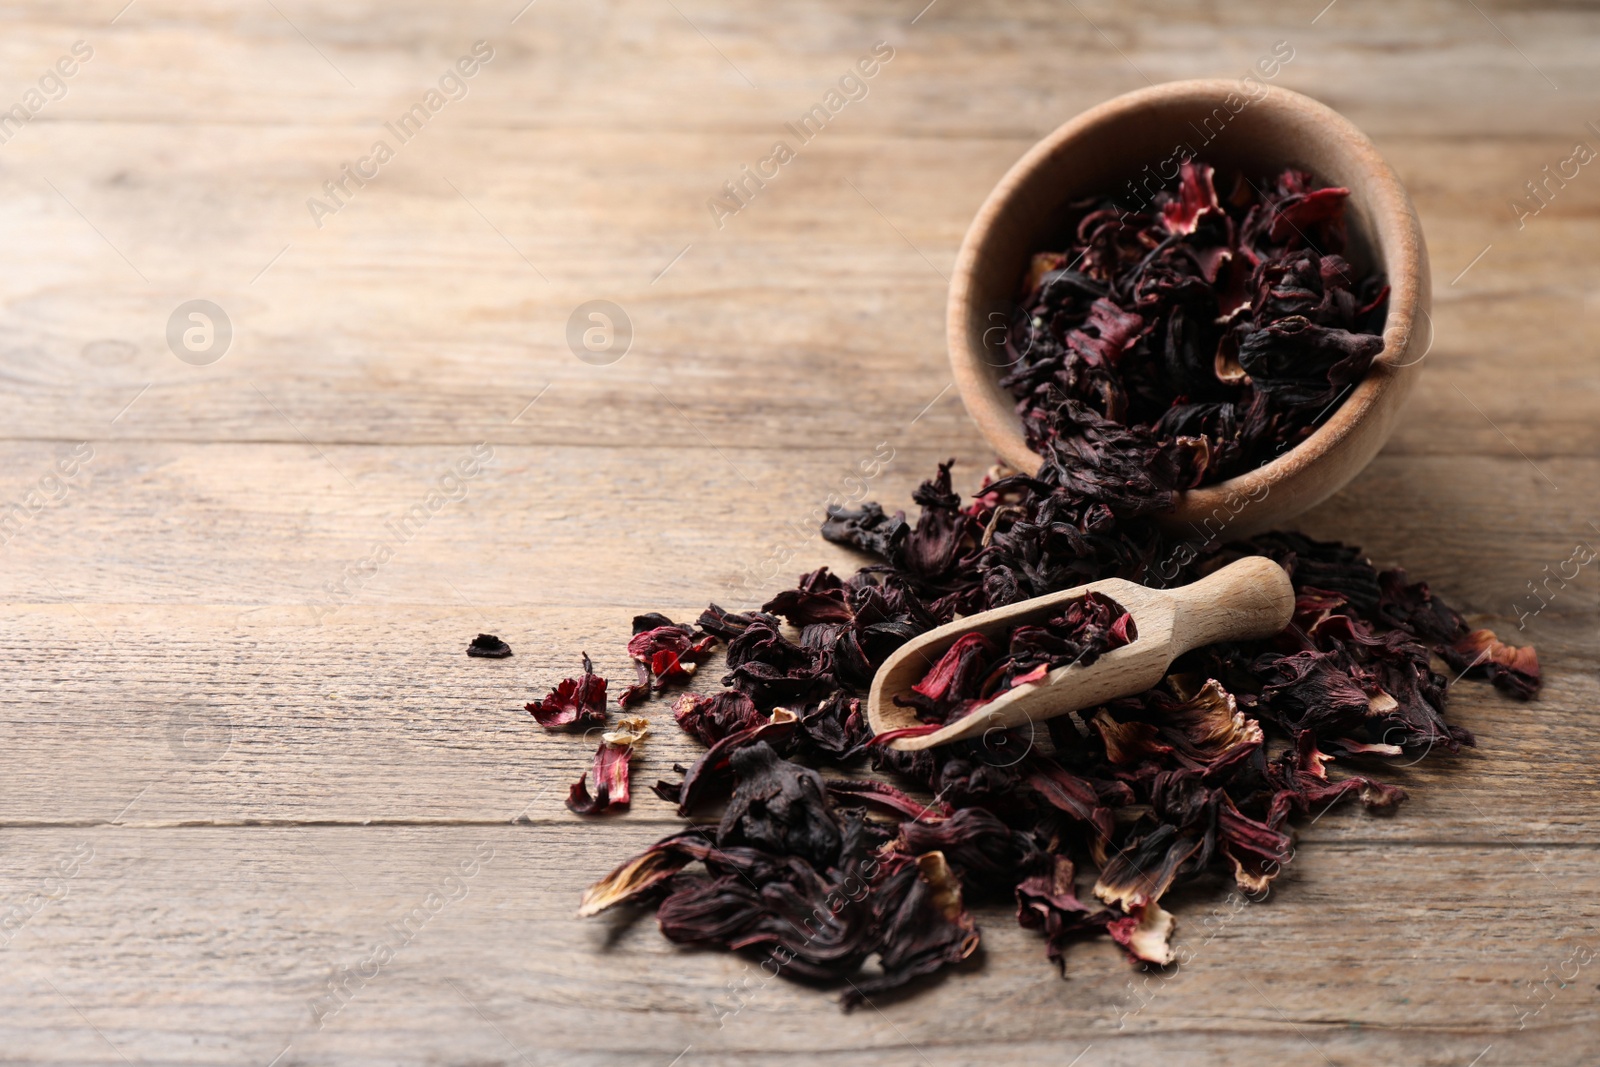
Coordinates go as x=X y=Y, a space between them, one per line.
x=1129 y=744
x=953 y=683
x=1208 y=726
x=1145 y=933
x=1181 y=214
x=1257 y=850
x=779 y=806
x=868 y=529
x=711 y=776
x=1512 y=669
x=836 y=727
x=574 y=704
x=1048 y=902
x=725 y=624
x=1300 y=782
x=1074 y=795
x=789 y=916
x=772 y=669
x=984 y=852
x=666 y=653
x=923 y=925
x=709 y=719
x=1143 y=870
x=610 y=769
x=887 y=797
x=820 y=597
x=635 y=878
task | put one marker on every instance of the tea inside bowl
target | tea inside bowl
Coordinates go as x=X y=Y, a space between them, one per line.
x=1134 y=145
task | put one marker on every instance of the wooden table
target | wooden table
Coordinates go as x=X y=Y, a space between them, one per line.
x=239 y=757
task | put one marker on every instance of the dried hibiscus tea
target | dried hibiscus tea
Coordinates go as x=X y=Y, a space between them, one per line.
x=664 y=653
x=1220 y=331
x=1159 y=350
x=488 y=646
x=610 y=769
x=1203 y=773
x=575 y=704
x=1144 y=933
x=788 y=877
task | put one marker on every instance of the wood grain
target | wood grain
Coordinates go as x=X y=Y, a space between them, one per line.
x=251 y=770
x=259 y=920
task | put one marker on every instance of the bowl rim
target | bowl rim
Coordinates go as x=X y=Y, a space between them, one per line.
x=1396 y=239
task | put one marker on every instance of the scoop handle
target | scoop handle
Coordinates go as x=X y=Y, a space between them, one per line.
x=1249 y=598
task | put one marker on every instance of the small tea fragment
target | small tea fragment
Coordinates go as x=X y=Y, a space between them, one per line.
x=1511 y=669
x=1145 y=933
x=610 y=769
x=488 y=646
x=1143 y=870
x=1047 y=901
x=636 y=877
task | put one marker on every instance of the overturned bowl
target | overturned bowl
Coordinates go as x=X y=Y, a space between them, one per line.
x=1232 y=125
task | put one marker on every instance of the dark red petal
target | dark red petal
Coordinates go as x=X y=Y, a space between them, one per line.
x=1196 y=195
x=574 y=704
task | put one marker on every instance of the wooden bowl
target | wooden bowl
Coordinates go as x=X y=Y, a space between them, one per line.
x=1097 y=152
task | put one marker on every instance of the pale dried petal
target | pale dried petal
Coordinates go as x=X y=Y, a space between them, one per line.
x=1145 y=933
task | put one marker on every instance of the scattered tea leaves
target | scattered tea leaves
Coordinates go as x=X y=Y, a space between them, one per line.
x=1157 y=353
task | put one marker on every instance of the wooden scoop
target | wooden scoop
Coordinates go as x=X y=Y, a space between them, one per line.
x=1250 y=598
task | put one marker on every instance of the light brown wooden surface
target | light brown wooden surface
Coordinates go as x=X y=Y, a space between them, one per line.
x=249 y=794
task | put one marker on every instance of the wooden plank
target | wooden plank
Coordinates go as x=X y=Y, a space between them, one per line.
x=381 y=724
x=213 y=622
x=258 y=921
x=873 y=338
x=1414 y=69
x=272 y=525
x=720 y=335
